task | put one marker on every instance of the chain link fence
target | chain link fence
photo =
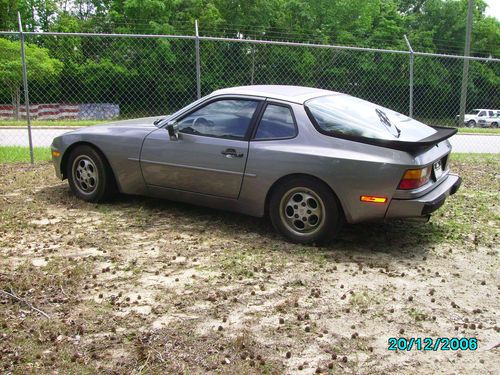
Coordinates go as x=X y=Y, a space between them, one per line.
x=76 y=80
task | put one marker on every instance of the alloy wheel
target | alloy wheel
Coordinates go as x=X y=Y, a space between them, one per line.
x=85 y=174
x=302 y=211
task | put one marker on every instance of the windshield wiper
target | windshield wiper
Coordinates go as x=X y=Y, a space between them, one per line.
x=157 y=121
x=385 y=120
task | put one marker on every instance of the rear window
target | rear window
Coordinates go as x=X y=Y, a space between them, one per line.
x=349 y=116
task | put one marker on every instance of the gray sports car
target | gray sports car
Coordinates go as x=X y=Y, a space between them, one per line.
x=309 y=158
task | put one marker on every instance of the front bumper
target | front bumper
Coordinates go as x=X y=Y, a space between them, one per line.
x=426 y=204
x=56 y=161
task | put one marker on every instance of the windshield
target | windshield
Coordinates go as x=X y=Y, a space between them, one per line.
x=347 y=115
x=474 y=112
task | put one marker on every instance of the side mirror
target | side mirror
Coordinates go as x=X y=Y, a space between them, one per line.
x=172 y=131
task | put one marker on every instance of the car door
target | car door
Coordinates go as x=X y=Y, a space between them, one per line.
x=210 y=153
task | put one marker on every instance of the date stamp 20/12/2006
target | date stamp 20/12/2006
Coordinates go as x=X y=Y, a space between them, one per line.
x=432 y=344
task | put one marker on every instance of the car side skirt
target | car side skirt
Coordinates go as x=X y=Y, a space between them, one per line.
x=219 y=203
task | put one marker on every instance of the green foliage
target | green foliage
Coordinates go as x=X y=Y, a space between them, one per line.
x=439 y=26
x=154 y=76
x=42 y=68
x=433 y=25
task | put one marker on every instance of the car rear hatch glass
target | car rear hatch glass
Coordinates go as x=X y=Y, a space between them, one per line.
x=352 y=118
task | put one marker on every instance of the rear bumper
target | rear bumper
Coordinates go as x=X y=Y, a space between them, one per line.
x=427 y=203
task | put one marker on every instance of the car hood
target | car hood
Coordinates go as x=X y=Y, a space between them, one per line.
x=142 y=123
x=136 y=122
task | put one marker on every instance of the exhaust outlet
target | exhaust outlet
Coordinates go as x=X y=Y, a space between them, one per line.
x=420 y=219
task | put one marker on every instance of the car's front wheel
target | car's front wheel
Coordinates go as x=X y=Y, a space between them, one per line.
x=305 y=210
x=494 y=124
x=89 y=176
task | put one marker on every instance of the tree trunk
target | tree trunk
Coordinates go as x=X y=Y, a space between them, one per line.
x=16 y=102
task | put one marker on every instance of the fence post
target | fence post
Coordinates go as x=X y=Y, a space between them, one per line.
x=253 y=65
x=412 y=59
x=25 y=86
x=198 y=68
x=465 y=73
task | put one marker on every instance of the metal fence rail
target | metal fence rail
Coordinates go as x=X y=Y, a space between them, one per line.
x=78 y=79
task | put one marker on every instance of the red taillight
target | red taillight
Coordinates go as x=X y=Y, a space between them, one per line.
x=414 y=178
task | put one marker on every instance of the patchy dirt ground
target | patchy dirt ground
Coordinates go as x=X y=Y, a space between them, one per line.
x=148 y=286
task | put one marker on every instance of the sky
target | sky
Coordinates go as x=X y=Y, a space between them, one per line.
x=493 y=8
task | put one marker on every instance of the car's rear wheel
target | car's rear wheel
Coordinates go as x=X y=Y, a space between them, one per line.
x=89 y=176
x=471 y=123
x=305 y=210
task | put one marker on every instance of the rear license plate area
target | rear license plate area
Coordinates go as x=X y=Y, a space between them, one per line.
x=437 y=169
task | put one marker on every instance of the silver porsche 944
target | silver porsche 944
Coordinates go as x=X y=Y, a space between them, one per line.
x=309 y=158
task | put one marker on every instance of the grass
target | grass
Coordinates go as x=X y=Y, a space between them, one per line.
x=19 y=154
x=450 y=122
x=474 y=211
x=479 y=130
x=475 y=158
x=362 y=300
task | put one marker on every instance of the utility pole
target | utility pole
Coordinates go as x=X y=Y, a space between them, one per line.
x=465 y=74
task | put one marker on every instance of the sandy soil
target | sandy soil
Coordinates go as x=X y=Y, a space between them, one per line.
x=147 y=286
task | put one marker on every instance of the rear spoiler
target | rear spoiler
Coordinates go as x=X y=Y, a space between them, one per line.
x=442 y=133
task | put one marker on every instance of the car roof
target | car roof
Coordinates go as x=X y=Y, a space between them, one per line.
x=295 y=94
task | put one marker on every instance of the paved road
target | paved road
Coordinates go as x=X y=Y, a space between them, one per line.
x=42 y=137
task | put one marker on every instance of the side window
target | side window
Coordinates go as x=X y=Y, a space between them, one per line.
x=490 y=113
x=227 y=118
x=277 y=122
x=482 y=113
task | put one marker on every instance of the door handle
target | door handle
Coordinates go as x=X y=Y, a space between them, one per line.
x=231 y=153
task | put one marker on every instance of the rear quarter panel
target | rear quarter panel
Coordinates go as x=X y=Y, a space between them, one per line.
x=351 y=169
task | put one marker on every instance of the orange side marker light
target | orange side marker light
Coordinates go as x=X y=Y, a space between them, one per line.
x=372 y=199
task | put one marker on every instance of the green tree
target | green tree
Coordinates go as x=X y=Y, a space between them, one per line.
x=41 y=68
x=148 y=76
x=8 y=14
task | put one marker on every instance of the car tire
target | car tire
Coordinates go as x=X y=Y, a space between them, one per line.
x=494 y=124
x=471 y=123
x=305 y=210
x=89 y=175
